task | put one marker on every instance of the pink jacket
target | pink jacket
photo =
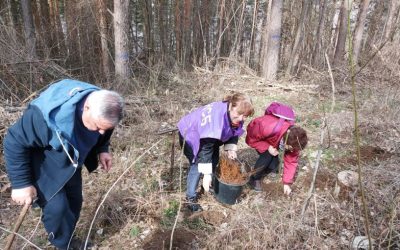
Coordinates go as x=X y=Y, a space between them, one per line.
x=259 y=137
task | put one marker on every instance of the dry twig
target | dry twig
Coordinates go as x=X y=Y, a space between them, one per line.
x=22 y=237
x=113 y=185
x=323 y=129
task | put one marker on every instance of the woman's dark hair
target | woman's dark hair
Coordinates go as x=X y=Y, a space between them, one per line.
x=297 y=138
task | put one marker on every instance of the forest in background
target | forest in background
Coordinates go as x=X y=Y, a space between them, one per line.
x=162 y=55
x=135 y=41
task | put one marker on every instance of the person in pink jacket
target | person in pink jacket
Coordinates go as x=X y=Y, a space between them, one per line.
x=268 y=134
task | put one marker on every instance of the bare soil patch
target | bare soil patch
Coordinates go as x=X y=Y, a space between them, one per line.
x=325 y=179
x=273 y=189
x=182 y=239
x=138 y=214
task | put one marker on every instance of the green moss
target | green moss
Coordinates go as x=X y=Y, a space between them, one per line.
x=170 y=213
x=134 y=232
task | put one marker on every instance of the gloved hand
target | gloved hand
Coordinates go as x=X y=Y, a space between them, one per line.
x=206 y=182
x=206 y=170
x=273 y=151
x=287 y=189
x=231 y=150
x=231 y=154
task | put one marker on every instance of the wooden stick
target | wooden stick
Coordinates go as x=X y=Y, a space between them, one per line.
x=168 y=130
x=171 y=170
x=17 y=225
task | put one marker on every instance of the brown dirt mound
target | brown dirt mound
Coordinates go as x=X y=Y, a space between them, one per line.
x=367 y=154
x=325 y=180
x=273 y=190
x=214 y=218
x=161 y=239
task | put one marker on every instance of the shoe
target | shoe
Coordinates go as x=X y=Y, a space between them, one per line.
x=273 y=175
x=211 y=191
x=255 y=185
x=193 y=206
x=78 y=244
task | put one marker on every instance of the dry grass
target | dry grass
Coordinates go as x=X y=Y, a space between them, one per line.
x=139 y=210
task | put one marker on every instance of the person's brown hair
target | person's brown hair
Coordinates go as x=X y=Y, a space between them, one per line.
x=297 y=138
x=242 y=101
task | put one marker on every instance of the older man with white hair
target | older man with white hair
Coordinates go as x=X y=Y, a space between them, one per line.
x=69 y=125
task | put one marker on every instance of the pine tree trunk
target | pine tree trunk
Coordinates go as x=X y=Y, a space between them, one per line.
x=56 y=23
x=121 y=29
x=299 y=37
x=47 y=30
x=72 y=38
x=318 y=38
x=178 y=30
x=197 y=34
x=262 y=51
x=205 y=15
x=40 y=41
x=105 y=58
x=334 y=30
x=239 y=34
x=374 y=27
x=11 y=22
x=304 y=51
x=250 y=60
x=83 y=25
x=391 y=20
x=359 y=30
x=187 y=32
x=136 y=18
x=221 y=19
x=162 y=17
x=341 y=39
x=271 y=57
x=29 y=28
x=148 y=35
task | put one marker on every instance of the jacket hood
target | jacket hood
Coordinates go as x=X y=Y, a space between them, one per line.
x=58 y=104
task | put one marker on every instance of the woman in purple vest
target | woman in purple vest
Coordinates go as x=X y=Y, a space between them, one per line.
x=203 y=131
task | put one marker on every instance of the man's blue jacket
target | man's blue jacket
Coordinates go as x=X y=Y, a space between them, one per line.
x=37 y=148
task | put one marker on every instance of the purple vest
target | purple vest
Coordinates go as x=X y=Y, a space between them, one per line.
x=210 y=121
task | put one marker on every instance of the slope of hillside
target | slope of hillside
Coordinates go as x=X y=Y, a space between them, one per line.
x=144 y=209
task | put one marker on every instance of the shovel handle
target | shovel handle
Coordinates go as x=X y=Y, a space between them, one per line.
x=17 y=225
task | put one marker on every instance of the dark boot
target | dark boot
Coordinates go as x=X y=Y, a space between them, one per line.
x=192 y=204
x=78 y=244
x=256 y=185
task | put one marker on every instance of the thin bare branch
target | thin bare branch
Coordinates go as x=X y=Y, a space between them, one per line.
x=113 y=185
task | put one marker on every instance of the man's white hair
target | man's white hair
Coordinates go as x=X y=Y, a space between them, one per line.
x=106 y=104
